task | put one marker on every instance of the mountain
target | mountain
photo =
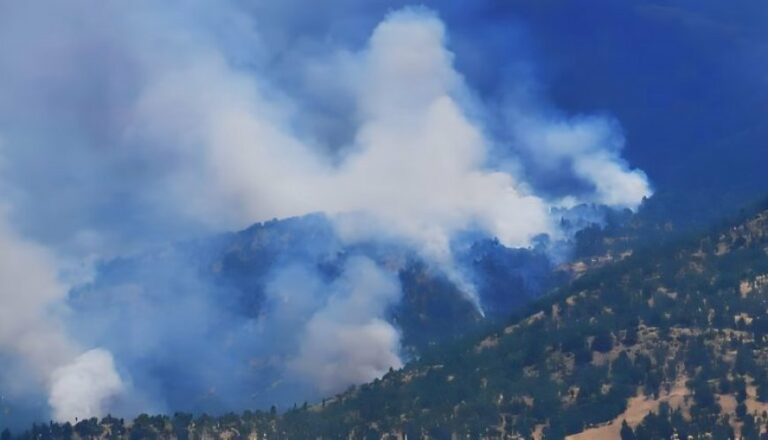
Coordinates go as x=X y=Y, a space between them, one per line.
x=679 y=329
x=180 y=315
x=660 y=341
x=240 y=266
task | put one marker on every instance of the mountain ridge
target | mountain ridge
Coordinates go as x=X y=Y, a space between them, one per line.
x=673 y=329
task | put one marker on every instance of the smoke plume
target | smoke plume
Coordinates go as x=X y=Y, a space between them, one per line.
x=84 y=387
x=127 y=125
x=364 y=345
x=30 y=330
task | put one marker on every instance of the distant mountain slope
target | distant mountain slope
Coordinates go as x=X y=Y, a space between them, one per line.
x=239 y=265
x=686 y=320
x=180 y=315
x=681 y=330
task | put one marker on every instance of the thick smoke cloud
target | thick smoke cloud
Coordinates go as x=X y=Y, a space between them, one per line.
x=84 y=387
x=347 y=340
x=407 y=96
x=79 y=385
x=141 y=124
x=589 y=149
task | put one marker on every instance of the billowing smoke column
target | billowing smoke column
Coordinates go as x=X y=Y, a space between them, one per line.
x=416 y=167
x=80 y=383
x=140 y=124
x=365 y=345
x=82 y=388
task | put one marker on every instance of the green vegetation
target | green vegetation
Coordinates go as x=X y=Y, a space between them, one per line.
x=689 y=318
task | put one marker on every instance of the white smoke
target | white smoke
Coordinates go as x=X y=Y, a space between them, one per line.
x=346 y=340
x=137 y=115
x=29 y=327
x=589 y=148
x=194 y=138
x=29 y=288
x=83 y=388
x=419 y=165
x=417 y=169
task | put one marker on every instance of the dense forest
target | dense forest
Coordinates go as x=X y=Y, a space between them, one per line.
x=665 y=341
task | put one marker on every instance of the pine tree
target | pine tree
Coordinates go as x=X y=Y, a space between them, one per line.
x=626 y=432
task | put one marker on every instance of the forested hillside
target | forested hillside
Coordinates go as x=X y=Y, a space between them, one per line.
x=662 y=341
